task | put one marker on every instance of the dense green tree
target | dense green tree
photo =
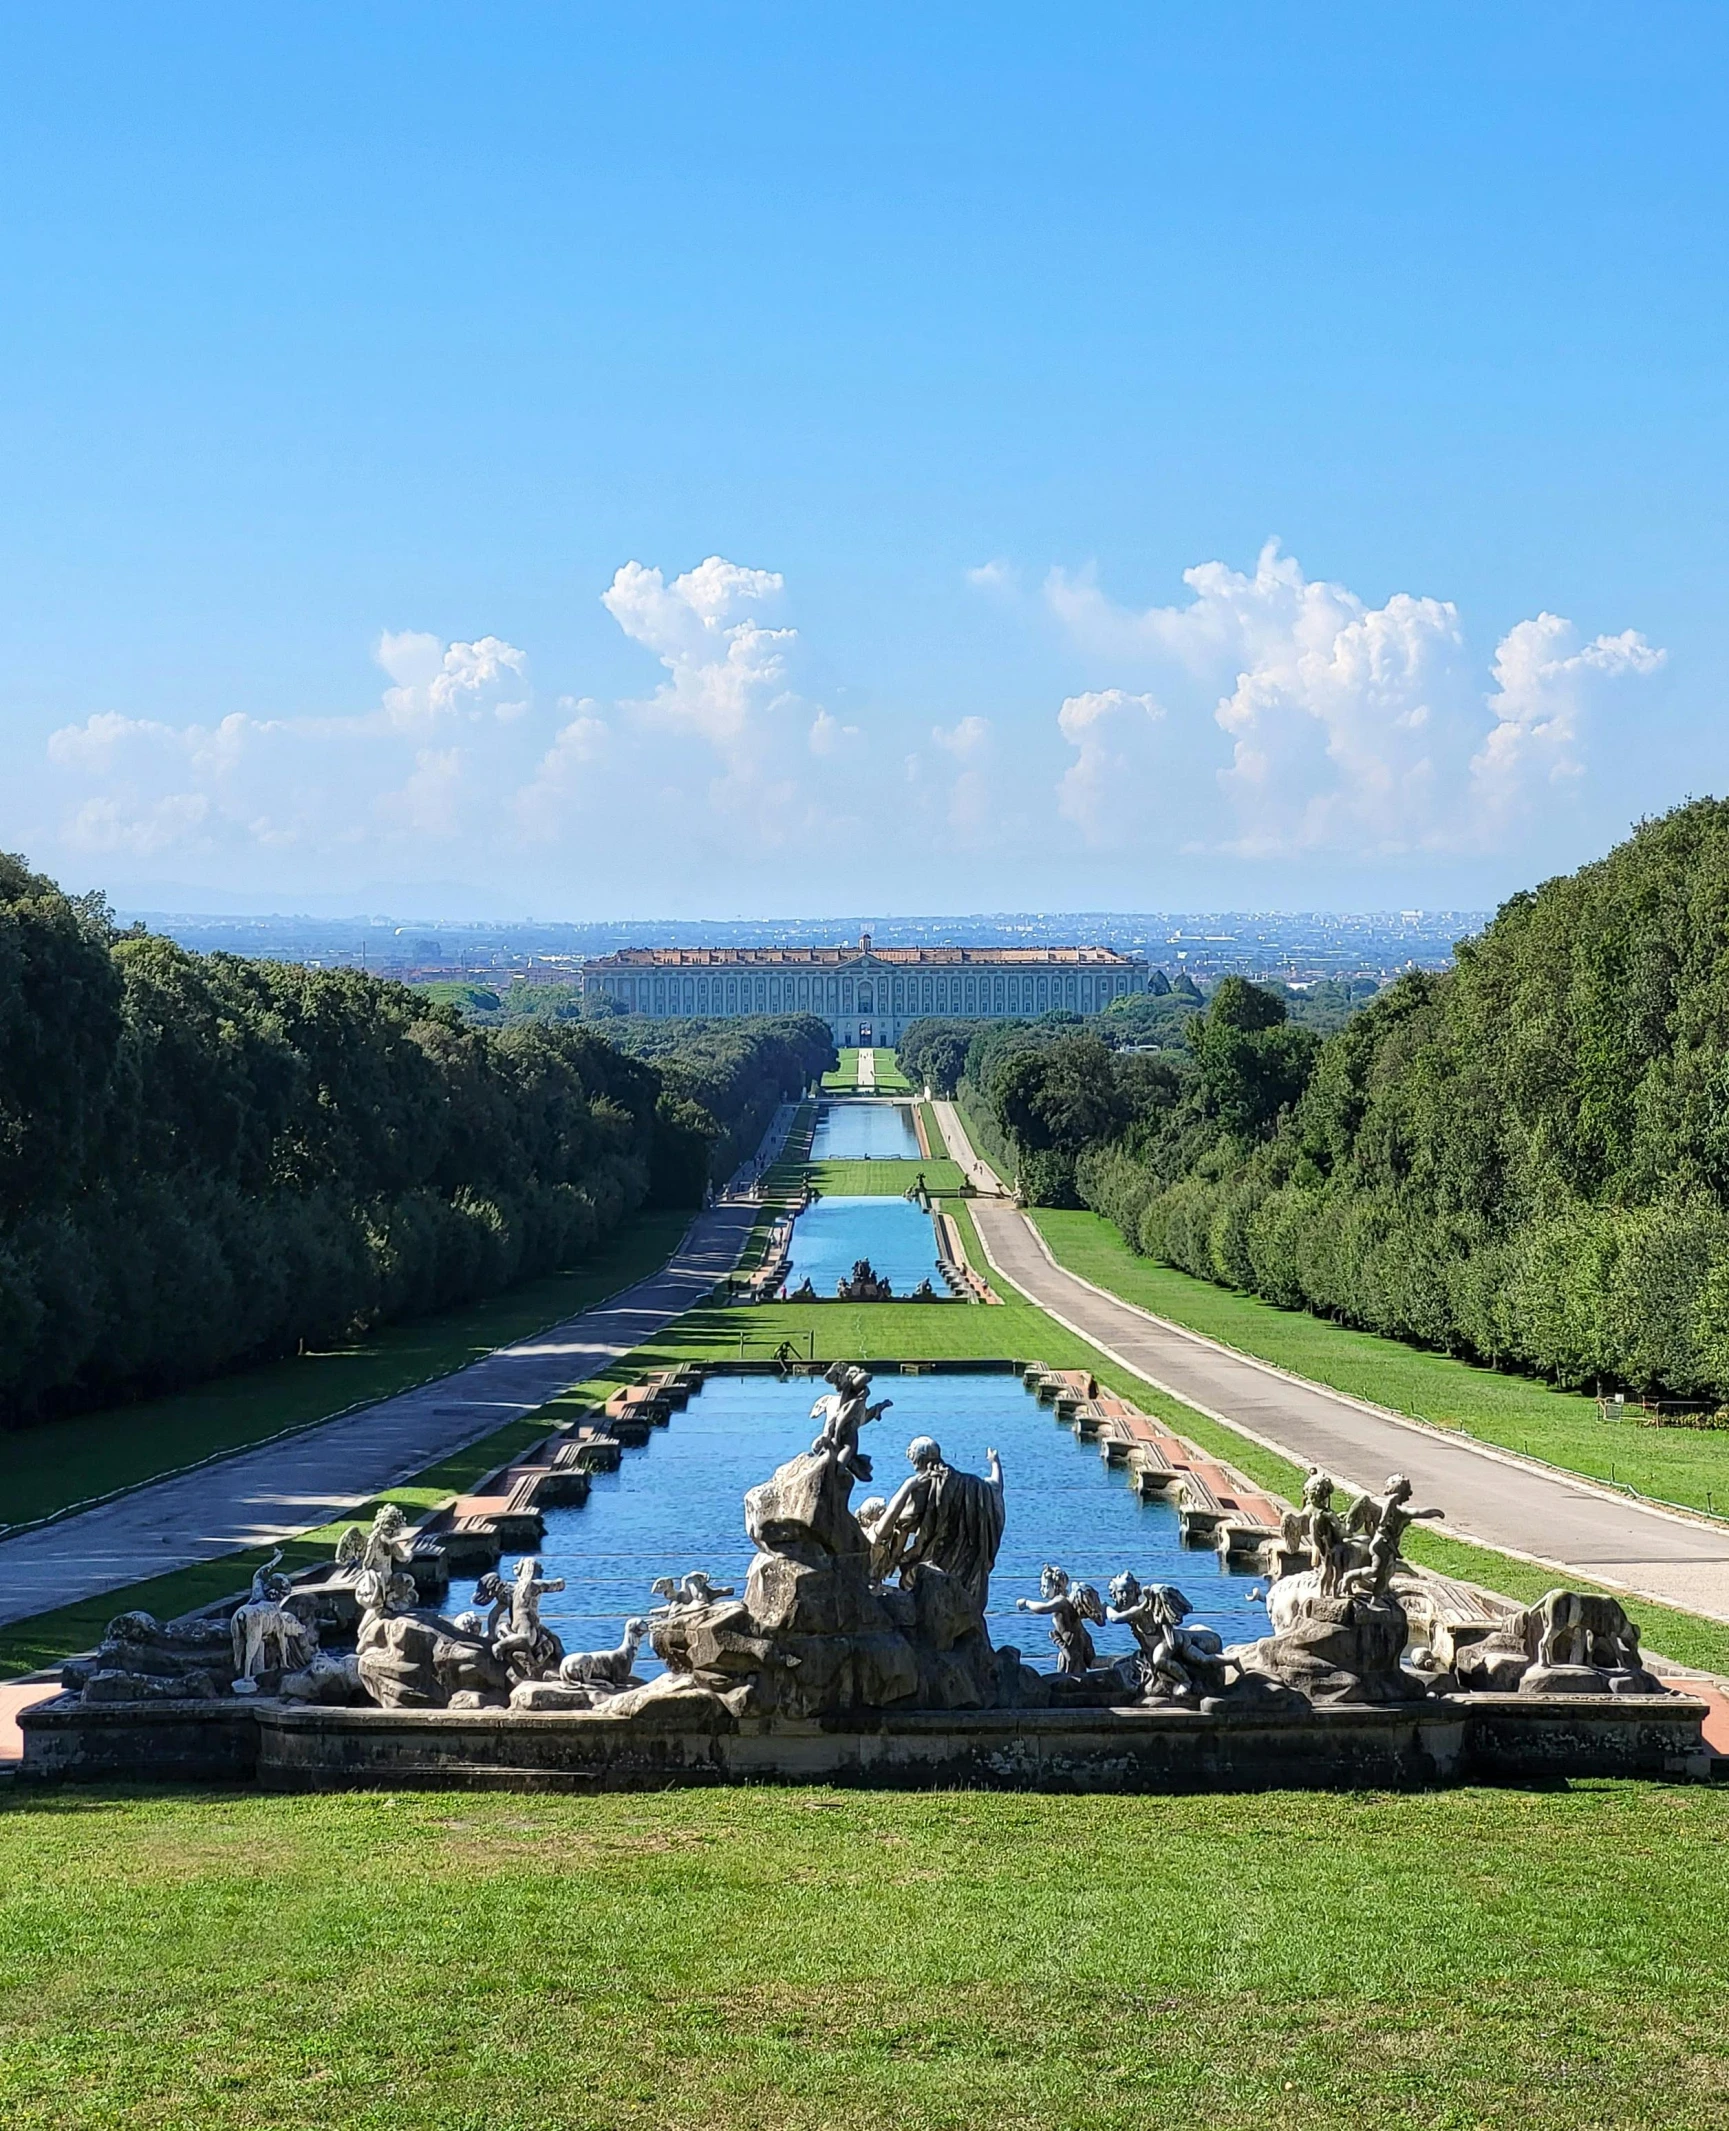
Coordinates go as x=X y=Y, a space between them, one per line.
x=1525 y=1158
x=933 y=1053
x=205 y=1159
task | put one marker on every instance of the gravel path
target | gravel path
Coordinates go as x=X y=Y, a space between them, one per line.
x=1489 y=1495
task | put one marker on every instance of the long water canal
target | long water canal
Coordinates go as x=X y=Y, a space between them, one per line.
x=679 y=1505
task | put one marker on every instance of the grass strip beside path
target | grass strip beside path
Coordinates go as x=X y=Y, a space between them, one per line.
x=1682 y=1465
x=819 y=1959
x=844 y=1079
x=47 y=1468
x=29 y=1645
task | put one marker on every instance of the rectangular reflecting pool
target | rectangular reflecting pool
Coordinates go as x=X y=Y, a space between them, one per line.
x=895 y=1235
x=679 y=1505
x=865 y=1132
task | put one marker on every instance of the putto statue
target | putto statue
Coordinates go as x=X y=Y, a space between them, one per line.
x=1173 y=1661
x=843 y=1413
x=1069 y=1607
x=1386 y=1523
x=378 y=1560
x=521 y=1641
x=1315 y=1532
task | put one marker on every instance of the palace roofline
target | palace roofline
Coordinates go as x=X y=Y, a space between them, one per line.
x=833 y=957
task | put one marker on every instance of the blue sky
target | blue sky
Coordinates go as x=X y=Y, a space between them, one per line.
x=594 y=463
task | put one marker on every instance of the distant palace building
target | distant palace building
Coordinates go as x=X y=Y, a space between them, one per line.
x=866 y=994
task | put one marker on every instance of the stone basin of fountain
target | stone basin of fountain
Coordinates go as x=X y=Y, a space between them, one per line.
x=881 y=1646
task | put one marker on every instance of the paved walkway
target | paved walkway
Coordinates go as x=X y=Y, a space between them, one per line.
x=867 y=1072
x=1488 y=1495
x=261 y=1496
x=979 y=1174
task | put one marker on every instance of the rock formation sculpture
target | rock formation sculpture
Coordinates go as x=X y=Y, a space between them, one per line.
x=143 y=1659
x=865 y=1285
x=1569 y=1642
x=1339 y=1631
x=819 y=1631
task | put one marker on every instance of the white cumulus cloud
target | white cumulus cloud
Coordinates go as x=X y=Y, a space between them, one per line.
x=438 y=683
x=725 y=668
x=1350 y=728
x=1109 y=790
x=1544 y=692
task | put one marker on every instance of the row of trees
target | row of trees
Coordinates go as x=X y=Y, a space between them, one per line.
x=205 y=1159
x=1054 y=1093
x=1524 y=1159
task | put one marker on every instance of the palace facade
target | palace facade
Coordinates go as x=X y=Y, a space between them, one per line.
x=866 y=994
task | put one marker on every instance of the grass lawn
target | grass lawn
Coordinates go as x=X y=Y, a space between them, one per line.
x=709 y=1961
x=44 y=1469
x=884 y=1179
x=844 y=1078
x=1683 y=1465
x=890 y=1079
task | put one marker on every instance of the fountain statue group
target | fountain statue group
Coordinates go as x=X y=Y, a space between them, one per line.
x=847 y=1612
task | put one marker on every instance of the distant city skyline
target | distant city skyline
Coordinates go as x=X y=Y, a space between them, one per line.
x=1295 y=947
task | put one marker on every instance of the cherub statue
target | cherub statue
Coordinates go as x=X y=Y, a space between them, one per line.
x=1317 y=1530
x=382 y=1550
x=1390 y=1522
x=1172 y=1660
x=1069 y=1608
x=521 y=1640
x=843 y=1413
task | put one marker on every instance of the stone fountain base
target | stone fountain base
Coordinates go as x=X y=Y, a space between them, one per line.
x=1467 y=1738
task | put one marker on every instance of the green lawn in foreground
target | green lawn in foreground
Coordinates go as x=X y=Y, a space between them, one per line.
x=822 y=1960
x=44 y=1469
x=1682 y=1465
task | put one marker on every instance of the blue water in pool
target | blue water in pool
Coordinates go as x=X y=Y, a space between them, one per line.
x=893 y=1234
x=679 y=1505
x=865 y=1132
